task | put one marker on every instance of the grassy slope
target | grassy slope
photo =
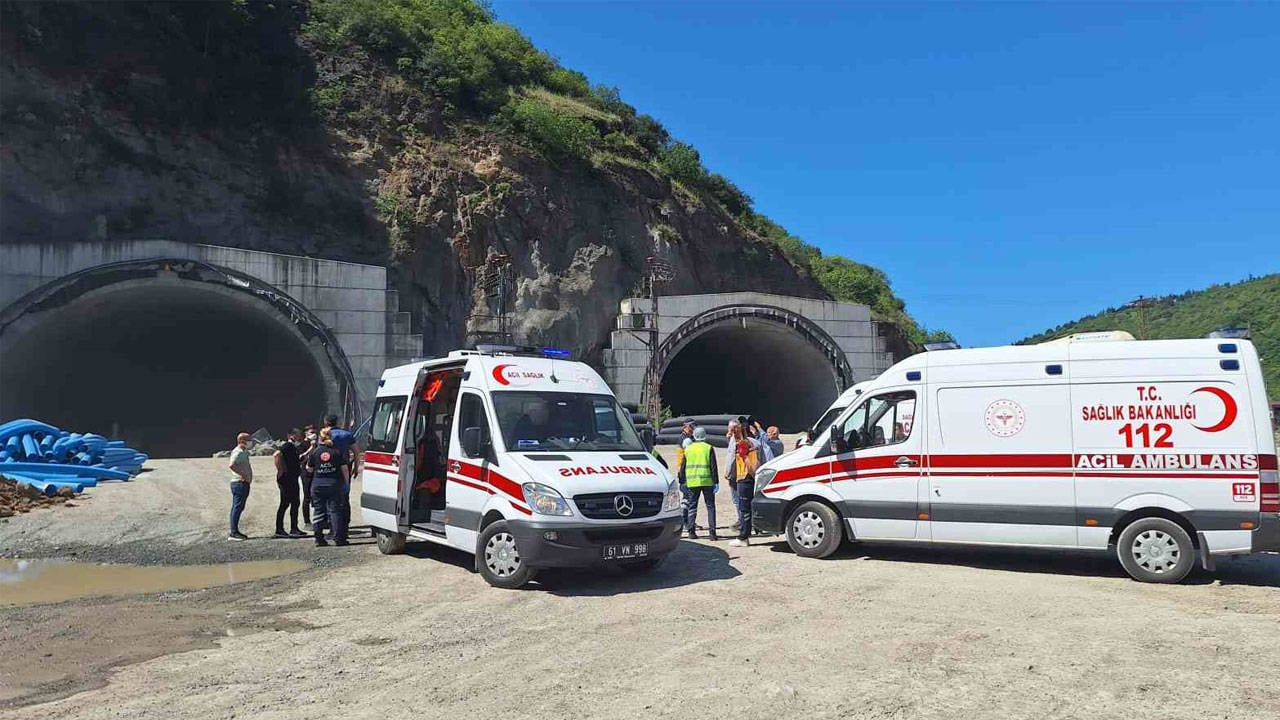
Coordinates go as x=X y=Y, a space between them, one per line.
x=1254 y=304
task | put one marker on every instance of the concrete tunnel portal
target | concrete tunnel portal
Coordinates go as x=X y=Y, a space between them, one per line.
x=175 y=358
x=764 y=361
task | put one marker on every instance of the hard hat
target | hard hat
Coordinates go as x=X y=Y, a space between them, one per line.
x=699 y=433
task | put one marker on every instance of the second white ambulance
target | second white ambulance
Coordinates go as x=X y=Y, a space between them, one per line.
x=1159 y=451
x=519 y=456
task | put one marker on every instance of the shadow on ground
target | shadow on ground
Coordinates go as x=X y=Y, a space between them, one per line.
x=1260 y=570
x=690 y=563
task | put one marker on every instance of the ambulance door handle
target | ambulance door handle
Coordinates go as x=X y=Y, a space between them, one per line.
x=905 y=461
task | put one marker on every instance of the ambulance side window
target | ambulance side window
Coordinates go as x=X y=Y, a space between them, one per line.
x=471 y=414
x=385 y=428
x=881 y=420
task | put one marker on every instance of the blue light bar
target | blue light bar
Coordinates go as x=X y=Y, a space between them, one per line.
x=556 y=353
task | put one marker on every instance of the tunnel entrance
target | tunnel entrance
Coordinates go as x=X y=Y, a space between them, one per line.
x=752 y=364
x=174 y=367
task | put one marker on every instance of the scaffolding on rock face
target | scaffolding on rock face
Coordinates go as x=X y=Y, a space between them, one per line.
x=496 y=278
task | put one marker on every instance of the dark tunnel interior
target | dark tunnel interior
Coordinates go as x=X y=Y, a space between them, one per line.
x=750 y=366
x=174 y=369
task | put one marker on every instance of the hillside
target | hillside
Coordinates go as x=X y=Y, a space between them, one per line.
x=1254 y=304
x=423 y=134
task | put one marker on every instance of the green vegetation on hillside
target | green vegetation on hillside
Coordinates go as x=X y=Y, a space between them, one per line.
x=455 y=52
x=1252 y=304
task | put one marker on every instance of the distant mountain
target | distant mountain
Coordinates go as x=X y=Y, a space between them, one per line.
x=1252 y=304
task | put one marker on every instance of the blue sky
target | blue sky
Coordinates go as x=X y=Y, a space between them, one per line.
x=1011 y=166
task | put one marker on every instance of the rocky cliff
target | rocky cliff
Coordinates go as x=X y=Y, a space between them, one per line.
x=203 y=123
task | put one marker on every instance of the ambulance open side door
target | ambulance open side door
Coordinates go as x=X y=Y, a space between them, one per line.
x=436 y=386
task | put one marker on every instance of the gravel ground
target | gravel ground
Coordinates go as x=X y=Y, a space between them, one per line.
x=875 y=632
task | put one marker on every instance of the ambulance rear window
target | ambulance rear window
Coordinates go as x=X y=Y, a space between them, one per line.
x=384 y=431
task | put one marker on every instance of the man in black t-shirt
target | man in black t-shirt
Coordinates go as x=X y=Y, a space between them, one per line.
x=288 y=462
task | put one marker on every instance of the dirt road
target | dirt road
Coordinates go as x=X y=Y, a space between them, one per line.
x=875 y=632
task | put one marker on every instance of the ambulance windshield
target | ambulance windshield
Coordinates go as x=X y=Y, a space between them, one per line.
x=539 y=421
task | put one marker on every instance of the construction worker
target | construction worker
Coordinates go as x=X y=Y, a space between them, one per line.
x=699 y=477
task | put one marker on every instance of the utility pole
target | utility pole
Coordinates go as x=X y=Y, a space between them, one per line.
x=660 y=273
x=644 y=326
x=1140 y=305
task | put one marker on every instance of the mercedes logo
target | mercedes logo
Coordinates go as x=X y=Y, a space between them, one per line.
x=623 y=504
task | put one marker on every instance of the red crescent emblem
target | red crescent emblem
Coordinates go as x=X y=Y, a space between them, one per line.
x=497 y=374
x=1229 y=409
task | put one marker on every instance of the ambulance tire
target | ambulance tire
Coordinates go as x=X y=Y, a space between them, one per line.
x=1145 y=547
x=814 y=530
x=390 y=543
x=496 y=569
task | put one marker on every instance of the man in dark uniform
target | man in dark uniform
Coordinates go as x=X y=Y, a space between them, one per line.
x=330 y=476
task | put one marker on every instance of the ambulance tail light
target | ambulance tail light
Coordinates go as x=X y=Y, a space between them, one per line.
x=1270 y=492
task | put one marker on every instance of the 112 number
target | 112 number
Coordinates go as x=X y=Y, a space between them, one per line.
x=1144 y=433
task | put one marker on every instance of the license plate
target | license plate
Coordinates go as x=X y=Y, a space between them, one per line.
x=625 y=552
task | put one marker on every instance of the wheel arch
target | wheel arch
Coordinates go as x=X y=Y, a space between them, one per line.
x=1136 y=514
x=798 y=500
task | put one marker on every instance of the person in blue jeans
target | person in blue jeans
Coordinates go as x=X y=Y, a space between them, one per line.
x=746 y=489
x=330 y=476
x=241 y=479
x=698 y=478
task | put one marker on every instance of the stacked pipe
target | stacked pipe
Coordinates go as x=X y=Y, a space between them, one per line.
x=715 y=425
x=50 y=459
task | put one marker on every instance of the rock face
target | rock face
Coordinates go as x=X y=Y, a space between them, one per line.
x=140 y=131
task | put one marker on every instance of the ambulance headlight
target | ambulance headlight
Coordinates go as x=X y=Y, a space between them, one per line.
x=764 y=477
x=545 y=501
x=672 y=499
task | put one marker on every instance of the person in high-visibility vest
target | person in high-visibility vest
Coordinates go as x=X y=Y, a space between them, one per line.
x=699 y=478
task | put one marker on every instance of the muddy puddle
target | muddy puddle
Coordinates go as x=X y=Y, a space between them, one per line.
x=27 y=582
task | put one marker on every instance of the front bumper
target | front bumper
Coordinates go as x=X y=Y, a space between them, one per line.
x=579 y=545
x=766 y=514
x=1266 y=538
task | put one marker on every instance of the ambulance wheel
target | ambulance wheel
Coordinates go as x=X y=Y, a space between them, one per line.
x=499 y=560
x=390 y=543
x=1156 y=550
x=814 y=530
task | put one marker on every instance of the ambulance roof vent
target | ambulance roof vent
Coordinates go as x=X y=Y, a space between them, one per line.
x=1102 y=336
x=944 y=345
x=1230 y=333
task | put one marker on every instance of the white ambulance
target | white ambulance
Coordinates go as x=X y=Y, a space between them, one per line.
x=519 y=456
x=1160 y=451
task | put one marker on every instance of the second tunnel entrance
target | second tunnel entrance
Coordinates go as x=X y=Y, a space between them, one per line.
x=759 y=360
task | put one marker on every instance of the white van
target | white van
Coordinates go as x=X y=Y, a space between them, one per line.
x=535 y=465
x=1161 y=451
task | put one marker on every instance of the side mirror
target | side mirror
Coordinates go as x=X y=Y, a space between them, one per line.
x=646 y=436
x=837 y=442
x=473 y=445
